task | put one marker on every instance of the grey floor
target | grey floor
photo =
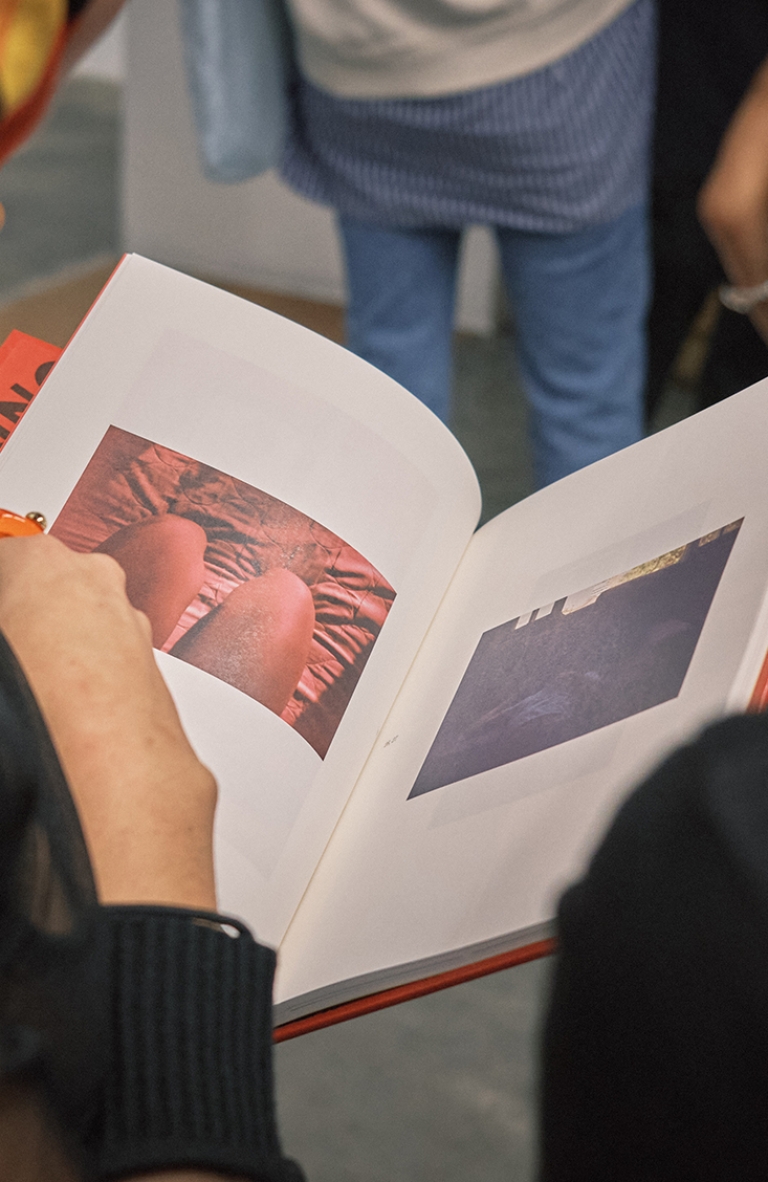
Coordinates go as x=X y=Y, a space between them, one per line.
x=440 y=1088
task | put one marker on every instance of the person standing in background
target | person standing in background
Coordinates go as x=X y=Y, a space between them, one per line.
x=733 y=205
x=708 y=56
x=414 y=120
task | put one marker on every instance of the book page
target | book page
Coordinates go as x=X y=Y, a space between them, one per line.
x=287 y=517
x=588 y=631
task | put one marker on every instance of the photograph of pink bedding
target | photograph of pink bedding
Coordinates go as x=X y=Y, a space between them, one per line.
x=232 y=580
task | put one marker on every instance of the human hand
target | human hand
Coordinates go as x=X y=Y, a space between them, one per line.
x=733 y=202
x=145 y=801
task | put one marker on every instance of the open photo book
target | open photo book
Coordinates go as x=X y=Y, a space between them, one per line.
x=420 y=732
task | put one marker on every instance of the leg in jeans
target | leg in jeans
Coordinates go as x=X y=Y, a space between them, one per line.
x=579 y=303
x=402 y=285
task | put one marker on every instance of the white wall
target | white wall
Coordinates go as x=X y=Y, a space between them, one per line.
x=107 y=58
x=259 y=232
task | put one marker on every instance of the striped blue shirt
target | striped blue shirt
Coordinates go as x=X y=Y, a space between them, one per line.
x=553 y=151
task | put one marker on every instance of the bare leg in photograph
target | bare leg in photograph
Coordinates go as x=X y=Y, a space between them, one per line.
x=257 y=639
x=163 y=560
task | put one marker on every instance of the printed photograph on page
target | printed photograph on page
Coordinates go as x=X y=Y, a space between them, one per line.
x=233 y=580
x=571 y=667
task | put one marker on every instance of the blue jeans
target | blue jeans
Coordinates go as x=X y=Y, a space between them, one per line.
x=579 y=304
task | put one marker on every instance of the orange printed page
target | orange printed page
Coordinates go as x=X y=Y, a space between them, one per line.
x=25 y=363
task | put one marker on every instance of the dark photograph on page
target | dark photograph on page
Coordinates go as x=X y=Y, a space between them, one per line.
x=574 y=666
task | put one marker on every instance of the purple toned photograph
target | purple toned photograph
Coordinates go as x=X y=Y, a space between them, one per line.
x=582 y=663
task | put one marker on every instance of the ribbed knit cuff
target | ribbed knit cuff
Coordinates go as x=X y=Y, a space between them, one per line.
x=190 y=1079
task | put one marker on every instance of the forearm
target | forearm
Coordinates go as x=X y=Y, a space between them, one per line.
x=733 y=203
x=172 y=972
x=146 y=802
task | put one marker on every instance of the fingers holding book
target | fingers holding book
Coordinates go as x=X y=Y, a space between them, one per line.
x=145 y=800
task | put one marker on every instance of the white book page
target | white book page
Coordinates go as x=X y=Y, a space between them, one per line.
x=293 y=460
x=588 y=630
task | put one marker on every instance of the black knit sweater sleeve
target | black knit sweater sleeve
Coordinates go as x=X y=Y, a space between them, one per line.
x=190 y=1081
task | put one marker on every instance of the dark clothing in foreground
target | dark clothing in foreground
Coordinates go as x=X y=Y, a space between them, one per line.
x=656 y=1046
